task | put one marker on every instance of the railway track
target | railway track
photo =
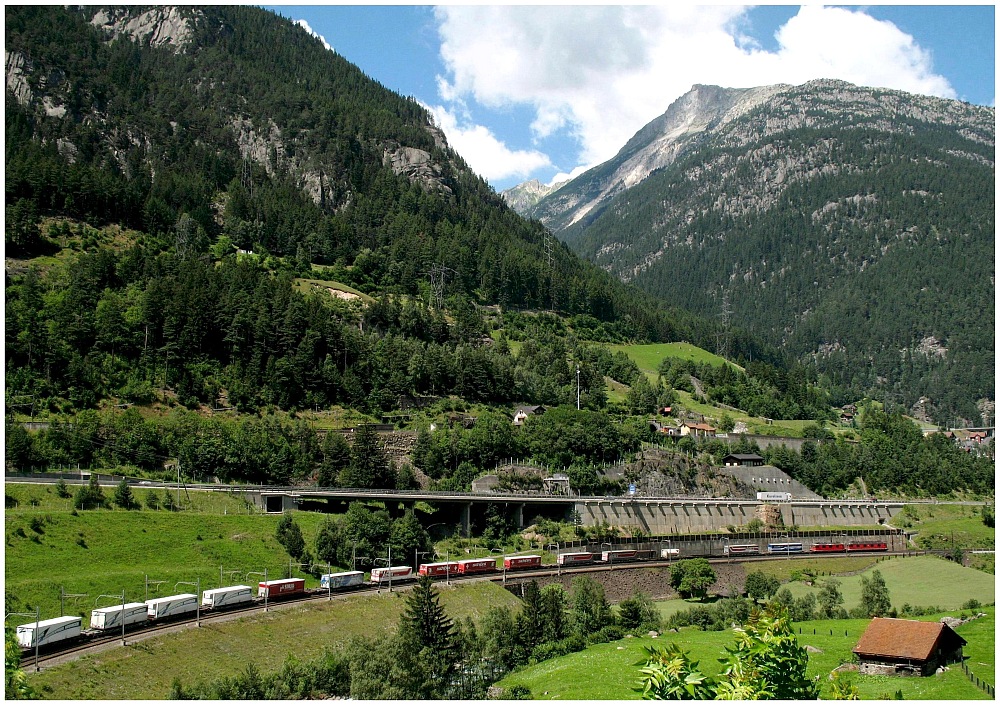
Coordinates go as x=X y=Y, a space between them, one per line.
x=93 y=641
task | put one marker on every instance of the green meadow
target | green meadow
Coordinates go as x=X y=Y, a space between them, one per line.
x=947 y=526
x=926 y=581
x=611 y=671
x=648 y=357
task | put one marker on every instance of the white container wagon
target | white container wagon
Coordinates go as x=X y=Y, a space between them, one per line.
x=49 y=631
x=111 y=617
x=171 y=606
x=334 y=581
x=227 y=596
x=774 y=496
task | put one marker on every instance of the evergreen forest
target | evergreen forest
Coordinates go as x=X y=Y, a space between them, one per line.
x=208 y=237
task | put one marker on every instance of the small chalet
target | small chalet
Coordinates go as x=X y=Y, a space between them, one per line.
x=905 y=647
x=702 y=430
x=665 y=429
x=523 y=412
x=735 y=460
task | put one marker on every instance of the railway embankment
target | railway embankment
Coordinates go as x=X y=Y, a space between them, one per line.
x=622 y=582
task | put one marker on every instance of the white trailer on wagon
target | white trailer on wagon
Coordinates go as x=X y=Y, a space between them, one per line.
x=227 y=596
x=49 y=631
x=111 y=617
x=171 y=606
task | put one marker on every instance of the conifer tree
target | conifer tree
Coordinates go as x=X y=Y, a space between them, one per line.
x=369 y=466
x=430 y=636
x=531 y=619
x=124 y=497
x=336 y=457
x=289 y=535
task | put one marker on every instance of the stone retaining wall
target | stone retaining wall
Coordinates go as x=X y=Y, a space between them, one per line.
x=661 y=517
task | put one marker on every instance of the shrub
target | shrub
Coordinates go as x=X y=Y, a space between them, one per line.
x=971 y=604
x=702 y=617
x=638 y=610
x=608 y=633
x=517 y=692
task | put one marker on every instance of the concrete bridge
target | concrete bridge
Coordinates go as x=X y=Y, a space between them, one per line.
x=653 y=515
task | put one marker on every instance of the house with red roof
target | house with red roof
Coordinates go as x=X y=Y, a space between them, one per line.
x=906 y=647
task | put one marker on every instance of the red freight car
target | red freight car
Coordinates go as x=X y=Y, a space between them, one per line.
x=438 y=569
x=521 y=562
x=620 y=555
x=281 y=588
x=477 y=565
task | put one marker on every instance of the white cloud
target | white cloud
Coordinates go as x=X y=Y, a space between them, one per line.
x=486 y=154
x=305 y=25
x=599 y=73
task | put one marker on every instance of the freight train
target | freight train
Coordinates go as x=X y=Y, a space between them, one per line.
x=109 y=619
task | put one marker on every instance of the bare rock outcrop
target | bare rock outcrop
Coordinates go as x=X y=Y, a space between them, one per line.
x=415 y=164
x=158 y=27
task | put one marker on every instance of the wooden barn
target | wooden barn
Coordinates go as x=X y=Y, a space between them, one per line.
x=905 y=647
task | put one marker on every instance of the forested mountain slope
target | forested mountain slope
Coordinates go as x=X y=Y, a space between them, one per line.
x=155 y=143
x=853 y=226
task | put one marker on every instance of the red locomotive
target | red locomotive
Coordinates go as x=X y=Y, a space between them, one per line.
x=868 y=546
x=828 y=548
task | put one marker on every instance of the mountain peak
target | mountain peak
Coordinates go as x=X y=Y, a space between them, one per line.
x=525 y=195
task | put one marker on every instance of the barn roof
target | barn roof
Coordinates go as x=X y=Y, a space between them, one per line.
x=905 y=638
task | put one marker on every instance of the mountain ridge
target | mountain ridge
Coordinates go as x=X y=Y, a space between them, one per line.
x=705 y=206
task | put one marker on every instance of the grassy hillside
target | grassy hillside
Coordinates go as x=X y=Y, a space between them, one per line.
x=649 y=357
x=947 y=526
x=922 y=580
x=103 y=551
x=145 y=670
x=609 y=671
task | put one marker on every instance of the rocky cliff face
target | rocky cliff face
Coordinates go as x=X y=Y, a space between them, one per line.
x=703 y=110
x=272 y=146
x=158 y=27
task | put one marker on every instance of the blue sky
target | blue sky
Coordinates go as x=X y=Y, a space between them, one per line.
x=545 y=92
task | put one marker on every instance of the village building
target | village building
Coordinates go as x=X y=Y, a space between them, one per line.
x=905 y=647
x=698 y=430
x=523 y=412
x=735 y=460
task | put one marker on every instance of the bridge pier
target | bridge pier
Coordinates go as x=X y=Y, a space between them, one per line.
x=466 y=514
